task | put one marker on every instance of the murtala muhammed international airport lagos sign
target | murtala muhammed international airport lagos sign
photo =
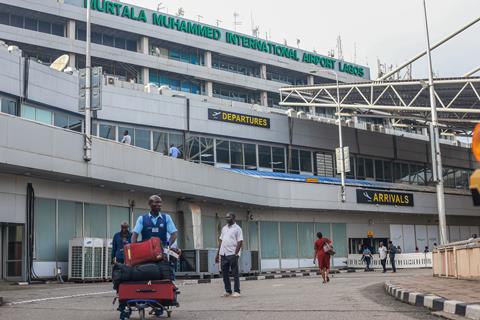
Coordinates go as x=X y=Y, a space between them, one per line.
x=216 y=34
x=384 y=197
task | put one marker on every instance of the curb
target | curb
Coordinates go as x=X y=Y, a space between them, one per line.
x=434 y=303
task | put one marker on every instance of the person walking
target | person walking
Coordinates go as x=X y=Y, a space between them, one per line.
x=322 y=249
x=229 y=246
x=382 y=252
x=127 y=139
x=399 y=249
x=119 y=240
x=392 y=251
x=367 y=256
x=173 y=152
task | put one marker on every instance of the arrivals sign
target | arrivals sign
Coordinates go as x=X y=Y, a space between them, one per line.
x=232 y=117
x=217 y=34
x=384 y=197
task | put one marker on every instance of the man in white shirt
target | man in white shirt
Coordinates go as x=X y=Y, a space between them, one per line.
x=127 y=139
x=382 y=251
x=230 y=244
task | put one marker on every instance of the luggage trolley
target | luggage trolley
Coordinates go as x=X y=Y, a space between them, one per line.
x=159 y=295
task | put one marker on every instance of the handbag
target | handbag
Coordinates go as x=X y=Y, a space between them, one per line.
x=328 y=248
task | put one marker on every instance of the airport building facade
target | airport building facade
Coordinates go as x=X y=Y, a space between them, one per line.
x=213 y=93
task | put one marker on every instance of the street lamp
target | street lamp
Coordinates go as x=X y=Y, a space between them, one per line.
x=340 y=136
x=437 y=170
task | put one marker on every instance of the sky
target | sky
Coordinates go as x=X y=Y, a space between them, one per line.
x=391 y=31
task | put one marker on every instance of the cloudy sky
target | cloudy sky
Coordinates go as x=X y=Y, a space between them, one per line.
x=389 y=30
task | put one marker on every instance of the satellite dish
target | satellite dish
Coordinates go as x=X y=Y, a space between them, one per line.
x=60 y=63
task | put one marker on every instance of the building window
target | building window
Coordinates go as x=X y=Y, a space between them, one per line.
x=236 y=155
x=31 y=24
x=206 y=151
x=95 y=220
x=37 y=114
x=278 y=159
x=250 y=152
x=192 y=149
x=107 y=131
x=9 y=106
x=121 y=133
x=45 y=229
x=305 y=161
x=222 y=151
x=70 y=217
x=269 y=240
x=288 y=239
x=160 y=142
x=265 y=156
x=142 y=138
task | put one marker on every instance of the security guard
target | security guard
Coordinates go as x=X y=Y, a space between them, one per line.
x=119 y=240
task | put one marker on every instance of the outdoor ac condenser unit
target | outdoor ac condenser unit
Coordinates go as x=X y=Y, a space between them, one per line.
x=85 y=259
x=198 y=262
x=107 y=258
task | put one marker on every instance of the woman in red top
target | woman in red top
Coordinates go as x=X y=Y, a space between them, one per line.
x=322 y=256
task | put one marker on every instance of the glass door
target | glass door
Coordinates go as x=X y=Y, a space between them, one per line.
x=13 y=252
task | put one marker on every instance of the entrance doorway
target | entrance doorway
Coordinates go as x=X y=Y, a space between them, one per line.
x=355 y=244
x=13 y=252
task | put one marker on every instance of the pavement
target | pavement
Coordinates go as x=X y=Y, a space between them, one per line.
x=348 y=296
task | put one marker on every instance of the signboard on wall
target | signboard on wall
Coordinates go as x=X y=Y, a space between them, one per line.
x=238 y=118
x=384 y=197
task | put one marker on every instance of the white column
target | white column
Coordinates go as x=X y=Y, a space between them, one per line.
x=209 y=88
x=144 y=47
x=71 y=35
x=208 y=59
x=192 y=229
x=310 y=80
x=263 y=71
x=264 y=98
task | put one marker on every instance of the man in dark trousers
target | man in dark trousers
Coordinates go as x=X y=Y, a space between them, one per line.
x=120 y=239
x=230 y=244
x=392 y=251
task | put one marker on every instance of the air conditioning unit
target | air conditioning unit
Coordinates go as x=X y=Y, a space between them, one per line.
x=165 y=91
x=151 y=88
x=198 y=262
x=85 y=259
x=110 y=80
x=107 y=257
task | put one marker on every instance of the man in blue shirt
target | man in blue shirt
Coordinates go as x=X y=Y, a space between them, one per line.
x=119 y=240
x=173 y=151
x=155 y=224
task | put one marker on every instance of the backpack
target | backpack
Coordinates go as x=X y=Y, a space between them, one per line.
x=328 y=248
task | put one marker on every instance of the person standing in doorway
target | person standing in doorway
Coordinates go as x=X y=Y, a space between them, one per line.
x=127 y=139
x=322 y=247
x=173 y=152
x=382 y=252
x=367 y=256
x=229 y=246
x=392 y=251
x=119 y=240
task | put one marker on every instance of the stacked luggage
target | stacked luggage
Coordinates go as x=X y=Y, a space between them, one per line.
x=145 y=280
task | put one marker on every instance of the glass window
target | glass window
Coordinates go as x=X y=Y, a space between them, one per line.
x=250 y=153
x=28 y=112
x=121 y=132
x=4 y=18
x=210 y=232
x=160 y=142
x=131 y=45
x=43 y=116
x=70 y=218
x=387 y=169
x=223 y=152
x=269 y=239
x=117 y=216
x=324 y=228
x=397 y=172
x=96 y=37
x=81 y=34
x=405 y=173
x=360 y=168
x=142 y=138
x=16 y=21
x=108 y=40
x=236 y=154
x=107 y=131
x=120 y=43
x=9 y=106
x=278 y=159
x=58 y=29
x=177 y=140
x=305 y=240
x=449 y=177
x=351 y=173
x=31 y=24
x=45 y=229
x=75 y=123
x=294 y=161
x=206 y=146
x=95 y=220
x=369 y=168
x=192 y=151
x=252 y=235
x=265 y=156
x=305 y=161
x=60 y=120
x=339 y=231
x=44 y=26
x=379 y=170
x=288 y=238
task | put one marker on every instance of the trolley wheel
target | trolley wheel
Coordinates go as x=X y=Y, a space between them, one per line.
x=141 y=313
x=169 y=313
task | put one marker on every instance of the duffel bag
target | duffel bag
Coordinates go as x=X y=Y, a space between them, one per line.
x=121 y=273
x=151 y=271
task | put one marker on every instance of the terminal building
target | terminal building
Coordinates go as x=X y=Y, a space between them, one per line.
x=213 y=93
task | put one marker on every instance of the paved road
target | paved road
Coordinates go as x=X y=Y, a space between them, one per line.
x=348 y=296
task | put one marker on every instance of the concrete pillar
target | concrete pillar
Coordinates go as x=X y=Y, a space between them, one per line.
x=263 y=71
x=209 y=88
x=72 y=59
x=71 y=35
x=264 y=98
x=144 y=47
x=191 y=234
x=208 y=59
x=310 y=80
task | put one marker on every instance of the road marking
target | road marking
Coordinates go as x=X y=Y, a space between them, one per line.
x=58 y=298
x=278 y=285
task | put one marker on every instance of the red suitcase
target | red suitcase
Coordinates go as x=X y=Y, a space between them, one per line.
x=141 y=252
x=163 y=291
